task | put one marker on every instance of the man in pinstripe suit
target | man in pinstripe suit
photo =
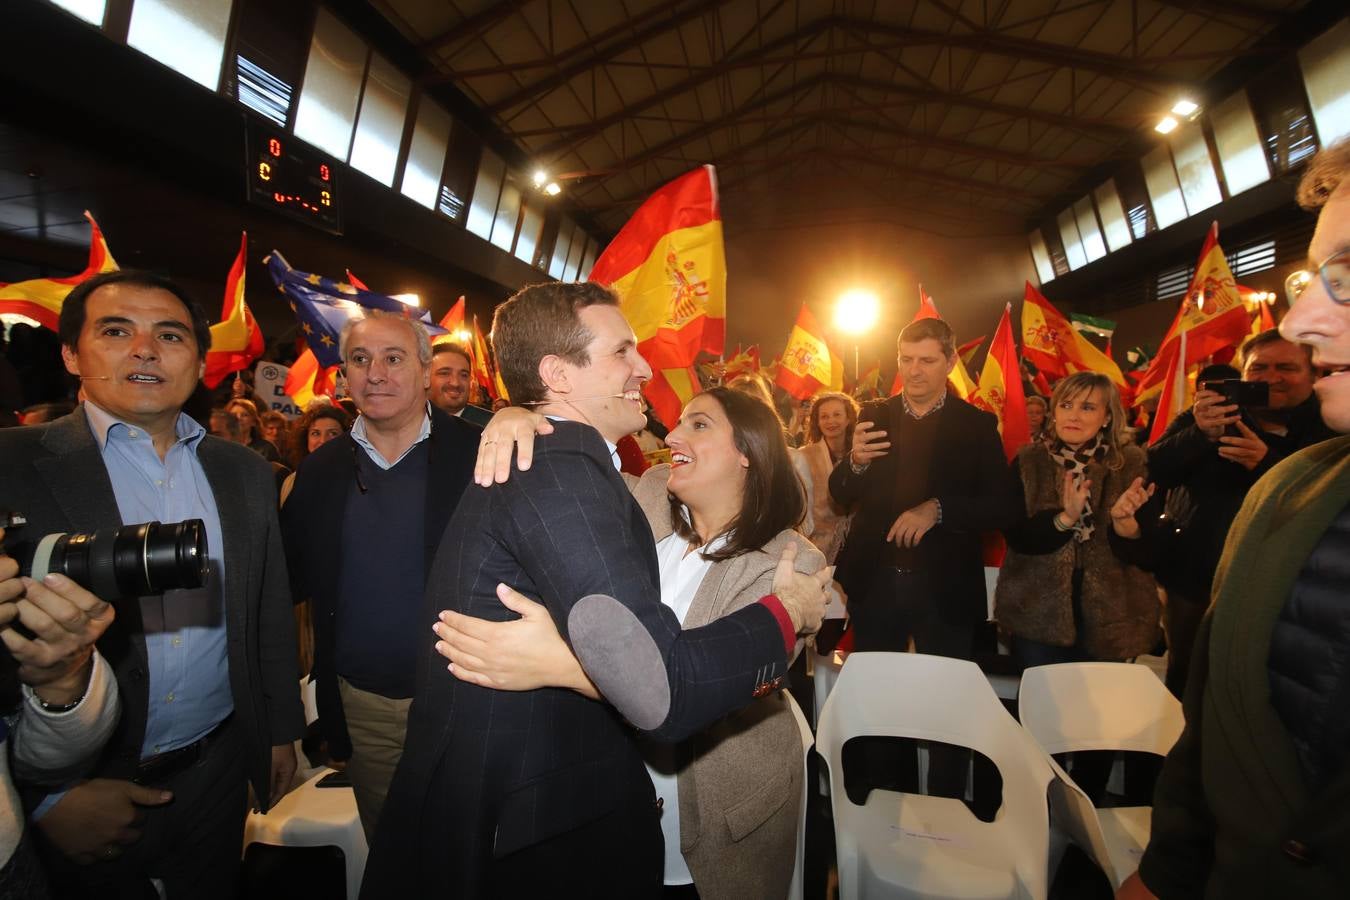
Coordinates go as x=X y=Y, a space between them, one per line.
x=515 y=794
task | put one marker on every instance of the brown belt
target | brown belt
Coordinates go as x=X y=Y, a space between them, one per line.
x=163 y=766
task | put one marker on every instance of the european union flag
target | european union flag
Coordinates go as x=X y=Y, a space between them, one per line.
x=323 y=306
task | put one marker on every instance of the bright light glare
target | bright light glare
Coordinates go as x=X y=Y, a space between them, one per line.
x=552 y=189
x=1185 y=107
x=856 y=312
x=7 y=319
x=462 y=336
x=540 y=176
x=1166 y=126
x=410 y=299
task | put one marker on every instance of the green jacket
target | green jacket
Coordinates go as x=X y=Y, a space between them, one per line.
x=1232 y=817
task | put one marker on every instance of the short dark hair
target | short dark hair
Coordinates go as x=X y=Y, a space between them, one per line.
x=924 y=329
x=774 y=499
x=542 y=320
x=451 y=347
x=300 y=432
x=72 y=318
x=1270 y=336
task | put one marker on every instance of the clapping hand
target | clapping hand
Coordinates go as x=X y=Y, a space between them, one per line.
x=1073 y=497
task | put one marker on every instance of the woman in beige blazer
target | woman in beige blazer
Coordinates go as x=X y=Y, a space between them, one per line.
x=721 y=513
x=829 y=437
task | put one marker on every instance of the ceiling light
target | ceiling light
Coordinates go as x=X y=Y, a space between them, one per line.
x=1166 y=125
x=856 y=311
x=1185 y=108
x=552 y=189
x=540 y=176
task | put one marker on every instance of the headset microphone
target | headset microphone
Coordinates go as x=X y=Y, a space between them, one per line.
x=94 y=378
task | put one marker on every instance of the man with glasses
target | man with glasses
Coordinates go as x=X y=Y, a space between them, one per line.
x=361 y=527
x=1254 y=800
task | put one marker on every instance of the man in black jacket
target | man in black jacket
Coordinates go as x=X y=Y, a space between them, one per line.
x=1209 y=457
x=928 y=476
x=361 y=527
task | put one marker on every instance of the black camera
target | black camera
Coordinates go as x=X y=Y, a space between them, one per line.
x=1246 y=394
x=126 y=562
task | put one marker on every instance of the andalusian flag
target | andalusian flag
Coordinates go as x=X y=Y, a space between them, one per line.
x=959 y=378
x=669 y=268
x=40 y=299
x=1056 y=348
x=1212 y=316
x=236 y=340
x=807 y=366
x=1000 y=391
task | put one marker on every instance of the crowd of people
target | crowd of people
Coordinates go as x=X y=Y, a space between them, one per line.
x=542 y=662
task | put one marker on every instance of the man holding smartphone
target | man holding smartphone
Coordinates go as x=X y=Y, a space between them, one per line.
x=1214 y=453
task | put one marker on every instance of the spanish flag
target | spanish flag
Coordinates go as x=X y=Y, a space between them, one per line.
x=669 y=390
x=483 y=371
x=1000 y=391
x=869 y=383
x=236 y=340
x=959 y=378
x=40 y=299
x=1056 y=348
x=742 y=363
x=306 y=379
x=1212 y=316
x=669 y=268
x=1176 y=392
x=807 y=365
x=453 y=322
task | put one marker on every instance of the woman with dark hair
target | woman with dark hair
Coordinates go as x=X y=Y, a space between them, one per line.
x=315 y=428
x=829 y=438
x=721 y=512
x=247 y=415
x=1071 y=589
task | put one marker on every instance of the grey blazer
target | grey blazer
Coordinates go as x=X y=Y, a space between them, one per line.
x=741 y=782
x=54 y=475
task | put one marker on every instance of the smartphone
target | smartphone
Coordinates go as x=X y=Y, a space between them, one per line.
x=1246 y=394
x=875 y=412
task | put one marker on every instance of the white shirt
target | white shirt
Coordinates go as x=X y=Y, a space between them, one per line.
x=359 y=435
x=681 y=575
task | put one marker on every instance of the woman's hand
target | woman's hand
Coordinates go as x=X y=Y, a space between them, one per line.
x=1126 y=505
x=511 y=428
x=1073 y=497
x=520 y=655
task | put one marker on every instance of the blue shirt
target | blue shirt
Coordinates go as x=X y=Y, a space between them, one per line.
x=189 y=691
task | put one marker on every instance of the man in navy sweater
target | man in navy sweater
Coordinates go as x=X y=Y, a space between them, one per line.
x=361 y=527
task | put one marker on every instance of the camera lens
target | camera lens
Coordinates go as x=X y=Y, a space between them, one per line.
x=131 y=561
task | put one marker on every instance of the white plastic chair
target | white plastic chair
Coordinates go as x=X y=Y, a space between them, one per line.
x=908 y=845
x=311 y=816
x=798 y=885
x=1103 y=706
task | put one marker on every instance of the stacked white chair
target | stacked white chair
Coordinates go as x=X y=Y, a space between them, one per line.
x=798 y=884
x=907 y=845
x=311 y=816
x=1074 y=707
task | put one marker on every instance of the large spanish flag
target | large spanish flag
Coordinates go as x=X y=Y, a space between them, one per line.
x=1212 y=315
x=669 y=268
x=40 y=299
x=236 y=340
x=959 y=378
x=669 y=390
x=807 y=366
x=306 y=379
x=1000 y=391
x=1056 y=348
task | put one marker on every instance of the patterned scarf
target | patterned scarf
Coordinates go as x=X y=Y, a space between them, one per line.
x=1076 y=461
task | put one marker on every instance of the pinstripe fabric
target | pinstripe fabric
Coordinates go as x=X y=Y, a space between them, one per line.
x=488 y=774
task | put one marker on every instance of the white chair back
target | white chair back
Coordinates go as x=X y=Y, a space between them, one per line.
x=916 y=846
x=798 y=885
x=1099 y=706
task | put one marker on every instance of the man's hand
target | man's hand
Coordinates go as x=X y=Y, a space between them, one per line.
x=803 y=596
x=913 y=524
x=1245 y=449
x=65 y=620
x=519 y=655
x=513 y=427
x=1126 y=505
x=1073 y=497
x=1213 y=413
x=868 y=444
x=282 y=772
x=97 y=818
x=1133 y=888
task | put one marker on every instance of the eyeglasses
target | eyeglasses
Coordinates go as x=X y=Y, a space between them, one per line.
x=1334 y=272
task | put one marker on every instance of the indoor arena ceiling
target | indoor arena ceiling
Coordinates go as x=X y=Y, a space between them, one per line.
x=972 y=115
